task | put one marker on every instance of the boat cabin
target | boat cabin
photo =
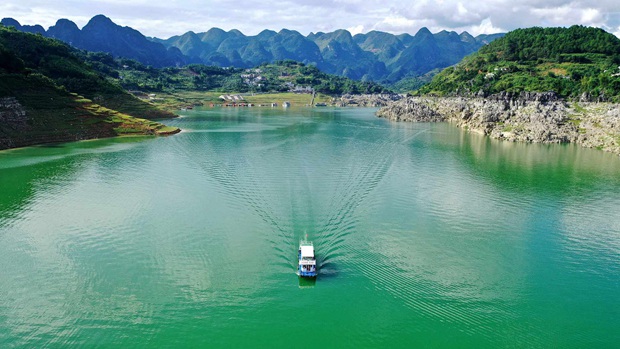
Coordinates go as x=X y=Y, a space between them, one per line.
x=307 y=260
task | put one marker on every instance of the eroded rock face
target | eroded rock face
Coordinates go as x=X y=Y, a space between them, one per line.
x=411 y=109
x=367 y=100
x=12 y=113
x=525 y=117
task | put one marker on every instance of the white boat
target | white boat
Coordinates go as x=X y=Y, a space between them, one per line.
x=307 y=260
x=286 y=104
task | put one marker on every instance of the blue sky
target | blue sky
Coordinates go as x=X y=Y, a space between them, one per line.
x=166 y=18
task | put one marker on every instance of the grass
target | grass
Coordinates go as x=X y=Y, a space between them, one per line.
x=180 y=99
x=128 y=104
x=578 y=108
x=295 y=99
x=126 y=125
x=53 y=115
x=167 y=130
x=575 y=121
x=555 y=68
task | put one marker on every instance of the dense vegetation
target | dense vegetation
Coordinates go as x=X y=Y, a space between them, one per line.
x=27 y=53
x=375 y=56
x=49 y=95
x=574 y=62
x=280 y=76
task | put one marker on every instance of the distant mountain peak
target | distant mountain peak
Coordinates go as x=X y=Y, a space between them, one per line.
x=215 y=30
x=465 y=36
x=288 y=31
x=423 y=32
x=265 y=34
x=66 y=23
x=10 y=22
x=235 y=32
x=100 y=19
x=343 y=33
x=376 y=55
x=65 y=30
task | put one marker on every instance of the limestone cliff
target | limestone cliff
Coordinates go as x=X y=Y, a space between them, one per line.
x=527 y=117
x=366 y=100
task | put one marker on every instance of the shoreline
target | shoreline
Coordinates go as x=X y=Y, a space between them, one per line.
x=127 y=135
x=187 y=100
x=526 y=117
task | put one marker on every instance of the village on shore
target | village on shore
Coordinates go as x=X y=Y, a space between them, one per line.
x=286 y=100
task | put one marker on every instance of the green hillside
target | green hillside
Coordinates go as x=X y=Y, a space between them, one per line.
x=48 y=95
x=573 y=62
x=375 y=56
x=281 y=76
x=61 y=63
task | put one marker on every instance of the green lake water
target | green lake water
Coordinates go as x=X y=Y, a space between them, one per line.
x=426 y=236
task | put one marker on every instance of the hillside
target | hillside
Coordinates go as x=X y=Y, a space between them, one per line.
x=576 y=63
x=540 y=85
x=280 y=76
x=100 y=34
x=375 y=56
x=48 y=95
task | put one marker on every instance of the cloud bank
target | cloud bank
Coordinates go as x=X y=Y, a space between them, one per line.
x=173 y=17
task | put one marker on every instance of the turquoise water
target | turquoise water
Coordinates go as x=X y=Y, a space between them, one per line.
x=426 y=236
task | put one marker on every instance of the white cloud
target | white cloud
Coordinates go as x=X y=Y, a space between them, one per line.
x=398 y=22
x=485 y=27
x=164 y=19
x=591 y=15
x=356 y=30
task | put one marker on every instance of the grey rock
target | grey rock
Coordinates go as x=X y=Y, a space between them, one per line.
x=367 y=100
x=12 y=113
x=525 y=117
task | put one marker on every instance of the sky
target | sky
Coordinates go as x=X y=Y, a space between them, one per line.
x=174 y=17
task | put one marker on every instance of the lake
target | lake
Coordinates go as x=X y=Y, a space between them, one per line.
x=426 y=236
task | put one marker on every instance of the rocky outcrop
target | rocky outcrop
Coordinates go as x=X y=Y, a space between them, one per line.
x=12 y=114
x=411 y=109
x=366 y=100
x=525 y=117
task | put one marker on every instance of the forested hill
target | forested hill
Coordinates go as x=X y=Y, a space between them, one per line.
x=375 y=56
x=47 y=94
x=576 y=62
x=280 y=76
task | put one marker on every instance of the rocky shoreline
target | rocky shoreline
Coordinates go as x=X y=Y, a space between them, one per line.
x=21 y=127
x=366 y=100
x=525 y=117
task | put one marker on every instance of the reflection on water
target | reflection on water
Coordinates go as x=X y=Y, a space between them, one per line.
x=424 y=235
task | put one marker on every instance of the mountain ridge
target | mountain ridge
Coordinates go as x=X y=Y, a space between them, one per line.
x=48 y=94
x=376 y=55
x=576 y=63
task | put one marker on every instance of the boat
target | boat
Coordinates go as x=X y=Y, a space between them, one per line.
x=307 y=260
x=320 y=105
x=286 y=104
